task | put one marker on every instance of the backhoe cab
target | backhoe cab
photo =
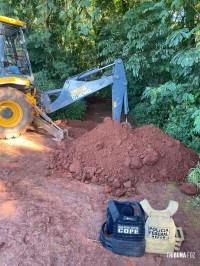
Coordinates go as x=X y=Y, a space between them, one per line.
x=17 y=89
x=19 y=106
x=14 y=59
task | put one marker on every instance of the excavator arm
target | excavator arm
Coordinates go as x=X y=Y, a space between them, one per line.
x=80 y=86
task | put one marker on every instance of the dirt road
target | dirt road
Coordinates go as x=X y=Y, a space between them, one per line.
x=46 y=219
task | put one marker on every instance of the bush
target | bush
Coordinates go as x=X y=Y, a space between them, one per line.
x=43 y=82
x=194 y=175
x=180 y=126
x=146 y=113
x=75 y=110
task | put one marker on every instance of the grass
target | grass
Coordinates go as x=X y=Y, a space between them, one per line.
x=197 y=201
x=194 y=175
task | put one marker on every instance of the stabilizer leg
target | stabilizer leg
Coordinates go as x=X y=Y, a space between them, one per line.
x=47 y=124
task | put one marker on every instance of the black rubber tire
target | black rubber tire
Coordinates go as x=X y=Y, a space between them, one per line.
x=11 y=94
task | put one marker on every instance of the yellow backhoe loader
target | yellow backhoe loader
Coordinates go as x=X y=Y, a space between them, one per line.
x=20 y=102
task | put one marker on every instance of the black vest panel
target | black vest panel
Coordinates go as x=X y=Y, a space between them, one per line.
x=124 y=232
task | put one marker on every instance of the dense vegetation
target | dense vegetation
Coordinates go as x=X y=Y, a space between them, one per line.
x=159 y=42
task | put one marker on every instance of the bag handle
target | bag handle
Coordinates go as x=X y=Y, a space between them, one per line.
x=115 y=213
x=172 y=207
x=113 y=210
x=139 y=208
x=146 y=206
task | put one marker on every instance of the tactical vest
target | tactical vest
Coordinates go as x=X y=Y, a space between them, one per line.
x=124 y=232
x=160 y=230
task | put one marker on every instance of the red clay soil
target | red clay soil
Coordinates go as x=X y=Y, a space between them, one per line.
x=189 y=188
x=120 y=157
x=49 y=218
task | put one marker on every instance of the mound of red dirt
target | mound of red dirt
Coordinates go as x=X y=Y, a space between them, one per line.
x=76 y=128
x=119 y=157
x=189 y=188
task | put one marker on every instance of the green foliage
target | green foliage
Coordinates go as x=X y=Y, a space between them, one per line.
x=187 y=58
x=60 y=36
x=145 y=40
x=159 y=42
x=75 y=110
x=61 y=42
x=43 y=82
x=194 y=175
x=196 y=117
x=179 y=125
x=197 y=201
x=176 y=37
x=175 y=92
x=145 y=113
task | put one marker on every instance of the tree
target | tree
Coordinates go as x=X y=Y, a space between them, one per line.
x=158 y=40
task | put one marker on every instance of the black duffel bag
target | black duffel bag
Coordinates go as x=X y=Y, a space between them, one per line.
x=124 y=231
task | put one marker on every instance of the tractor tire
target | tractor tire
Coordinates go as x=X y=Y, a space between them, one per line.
x=16 y=113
